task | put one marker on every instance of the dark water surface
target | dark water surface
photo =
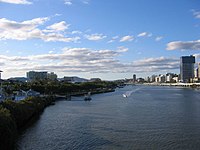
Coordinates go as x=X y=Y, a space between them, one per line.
x=150 y=118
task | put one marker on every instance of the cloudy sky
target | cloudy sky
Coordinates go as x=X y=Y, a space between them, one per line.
x=109 y=39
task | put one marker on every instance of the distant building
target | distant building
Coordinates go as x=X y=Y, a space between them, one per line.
x=199 y=70
x=157 y=79
x=147 y=79
x=140 y=80
x=169 y=77
x=21 y=95
x=0 y=73
x=160 y=79
x=176 y=79
x=153 y=78
x=33 y=75
x=196 y=73
x=187 y=68
x=51 y=76
x=134 y=78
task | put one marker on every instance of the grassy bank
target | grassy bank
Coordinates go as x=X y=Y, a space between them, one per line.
x=15 y=115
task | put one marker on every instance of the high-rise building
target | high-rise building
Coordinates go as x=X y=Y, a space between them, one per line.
x=134 y=78
x=0 y=73
x=187 y=68
x=33 y=75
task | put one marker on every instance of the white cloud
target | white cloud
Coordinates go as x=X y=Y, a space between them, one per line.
x=113 y=39
x=122 y=49
x=85 y=60
x=16 y=1
x=70 y=60
x=196 y=14
x=29 y=29
x=60 y=26
x=76 y=32
x=95 y=37
x=128 y=38
x=85 y=1
x=159 y=38
x=144 y=34
x=160 y=64
x=68 y=2
x=181 y=45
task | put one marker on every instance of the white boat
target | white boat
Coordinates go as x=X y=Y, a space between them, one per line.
x=124 y=95
x=87 y=97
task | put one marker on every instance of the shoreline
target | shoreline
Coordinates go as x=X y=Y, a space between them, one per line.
x=18 y=116
x=15 y=117
x=186 y=85
x=98 y=91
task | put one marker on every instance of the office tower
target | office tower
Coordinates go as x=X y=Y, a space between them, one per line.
x=134 y=78
x=0 y=73
x=187 y=68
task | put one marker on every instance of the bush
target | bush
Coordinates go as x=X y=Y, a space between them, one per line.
x=8 y=130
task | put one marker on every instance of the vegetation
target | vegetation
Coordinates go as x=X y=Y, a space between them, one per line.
x=15 y=115
x=56 y=87
x=8 y=130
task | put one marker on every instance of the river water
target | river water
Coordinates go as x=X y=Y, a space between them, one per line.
x=151 y=117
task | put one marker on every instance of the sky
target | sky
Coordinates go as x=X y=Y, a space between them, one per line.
x=107 y=39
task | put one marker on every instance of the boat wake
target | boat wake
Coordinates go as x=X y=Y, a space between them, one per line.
x=128 y=93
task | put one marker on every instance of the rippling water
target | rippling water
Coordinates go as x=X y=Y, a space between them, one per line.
x=150 y=118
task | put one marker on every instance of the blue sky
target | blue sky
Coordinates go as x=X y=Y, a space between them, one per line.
x=110 y=39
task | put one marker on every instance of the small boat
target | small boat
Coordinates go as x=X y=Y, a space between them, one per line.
x=124 y=95
x=87 y=97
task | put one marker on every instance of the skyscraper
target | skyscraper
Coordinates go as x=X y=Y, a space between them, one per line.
x=0 y=73
x=187 y=68
x=134 y=77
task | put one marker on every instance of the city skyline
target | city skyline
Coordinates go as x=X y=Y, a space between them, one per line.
x=104 y=39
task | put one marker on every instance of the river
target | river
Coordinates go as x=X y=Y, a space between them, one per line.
x=151 y=117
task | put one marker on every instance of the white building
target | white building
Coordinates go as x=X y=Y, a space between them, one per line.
x=160 y=79
x=169 y=77
x=176 y=79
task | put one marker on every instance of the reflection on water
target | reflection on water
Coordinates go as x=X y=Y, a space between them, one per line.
x=150 y=118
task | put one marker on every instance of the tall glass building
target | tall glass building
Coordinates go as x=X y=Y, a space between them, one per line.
x=187 y=68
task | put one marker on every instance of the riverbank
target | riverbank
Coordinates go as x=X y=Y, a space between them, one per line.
x=15 y=115
x=96 y=91
x=191 y=85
